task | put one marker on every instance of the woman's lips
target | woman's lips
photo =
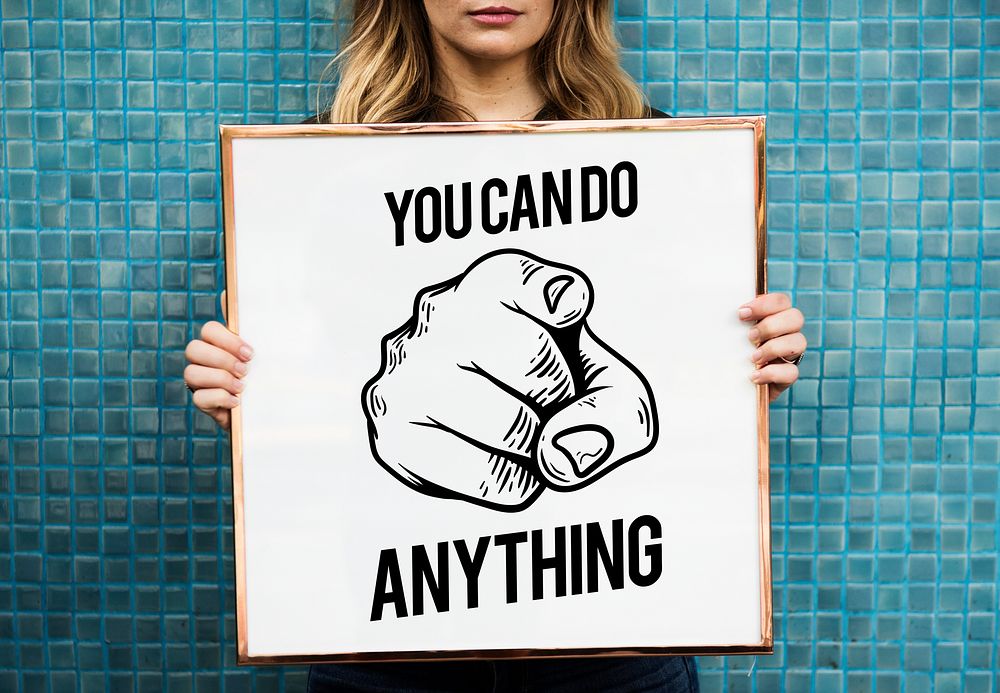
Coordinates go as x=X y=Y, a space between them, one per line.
x=495 y=16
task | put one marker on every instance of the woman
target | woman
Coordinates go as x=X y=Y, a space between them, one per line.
x=411 y=61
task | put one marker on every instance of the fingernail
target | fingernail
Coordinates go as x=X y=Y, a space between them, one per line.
x=238 y=385
x=554 y=289
x=234 y=401
x=755 y=357
x=754 y=335
x=246 y=352
x=755 y=376
x=745 y=313
x=586 y=449
x=240 y=368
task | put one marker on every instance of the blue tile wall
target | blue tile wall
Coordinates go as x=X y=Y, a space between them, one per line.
x=884 y=152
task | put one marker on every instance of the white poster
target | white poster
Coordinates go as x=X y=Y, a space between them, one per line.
x=499 y=403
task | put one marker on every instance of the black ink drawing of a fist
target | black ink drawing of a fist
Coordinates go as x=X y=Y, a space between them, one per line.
x=497 y=388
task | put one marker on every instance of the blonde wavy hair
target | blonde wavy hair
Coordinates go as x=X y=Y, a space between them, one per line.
x=386 y=72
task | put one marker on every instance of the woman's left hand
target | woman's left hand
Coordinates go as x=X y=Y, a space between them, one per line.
x=778 y=337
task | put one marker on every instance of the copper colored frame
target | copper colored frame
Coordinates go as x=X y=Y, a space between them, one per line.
x=227 y=133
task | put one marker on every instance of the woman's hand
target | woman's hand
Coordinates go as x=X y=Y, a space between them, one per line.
x=216 y=365
x=778 y=337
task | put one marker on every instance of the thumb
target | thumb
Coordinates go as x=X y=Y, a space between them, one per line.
x=611 y=422
x=553 y=294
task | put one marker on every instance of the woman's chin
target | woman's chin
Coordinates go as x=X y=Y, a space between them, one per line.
x=497 y=49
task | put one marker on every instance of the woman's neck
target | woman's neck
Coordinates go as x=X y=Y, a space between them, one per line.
x=488 y=89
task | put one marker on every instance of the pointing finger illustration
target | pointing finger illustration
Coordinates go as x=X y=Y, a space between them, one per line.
x=495 y=388
x=611 y=422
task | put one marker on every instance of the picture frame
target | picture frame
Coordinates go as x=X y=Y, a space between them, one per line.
x=344 y=190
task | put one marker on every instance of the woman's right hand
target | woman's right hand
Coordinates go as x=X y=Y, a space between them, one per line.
x=216 y=366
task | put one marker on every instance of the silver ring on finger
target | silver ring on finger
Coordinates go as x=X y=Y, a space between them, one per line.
x=794 y=361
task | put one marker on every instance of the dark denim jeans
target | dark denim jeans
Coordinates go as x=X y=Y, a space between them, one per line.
x=588 y=675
